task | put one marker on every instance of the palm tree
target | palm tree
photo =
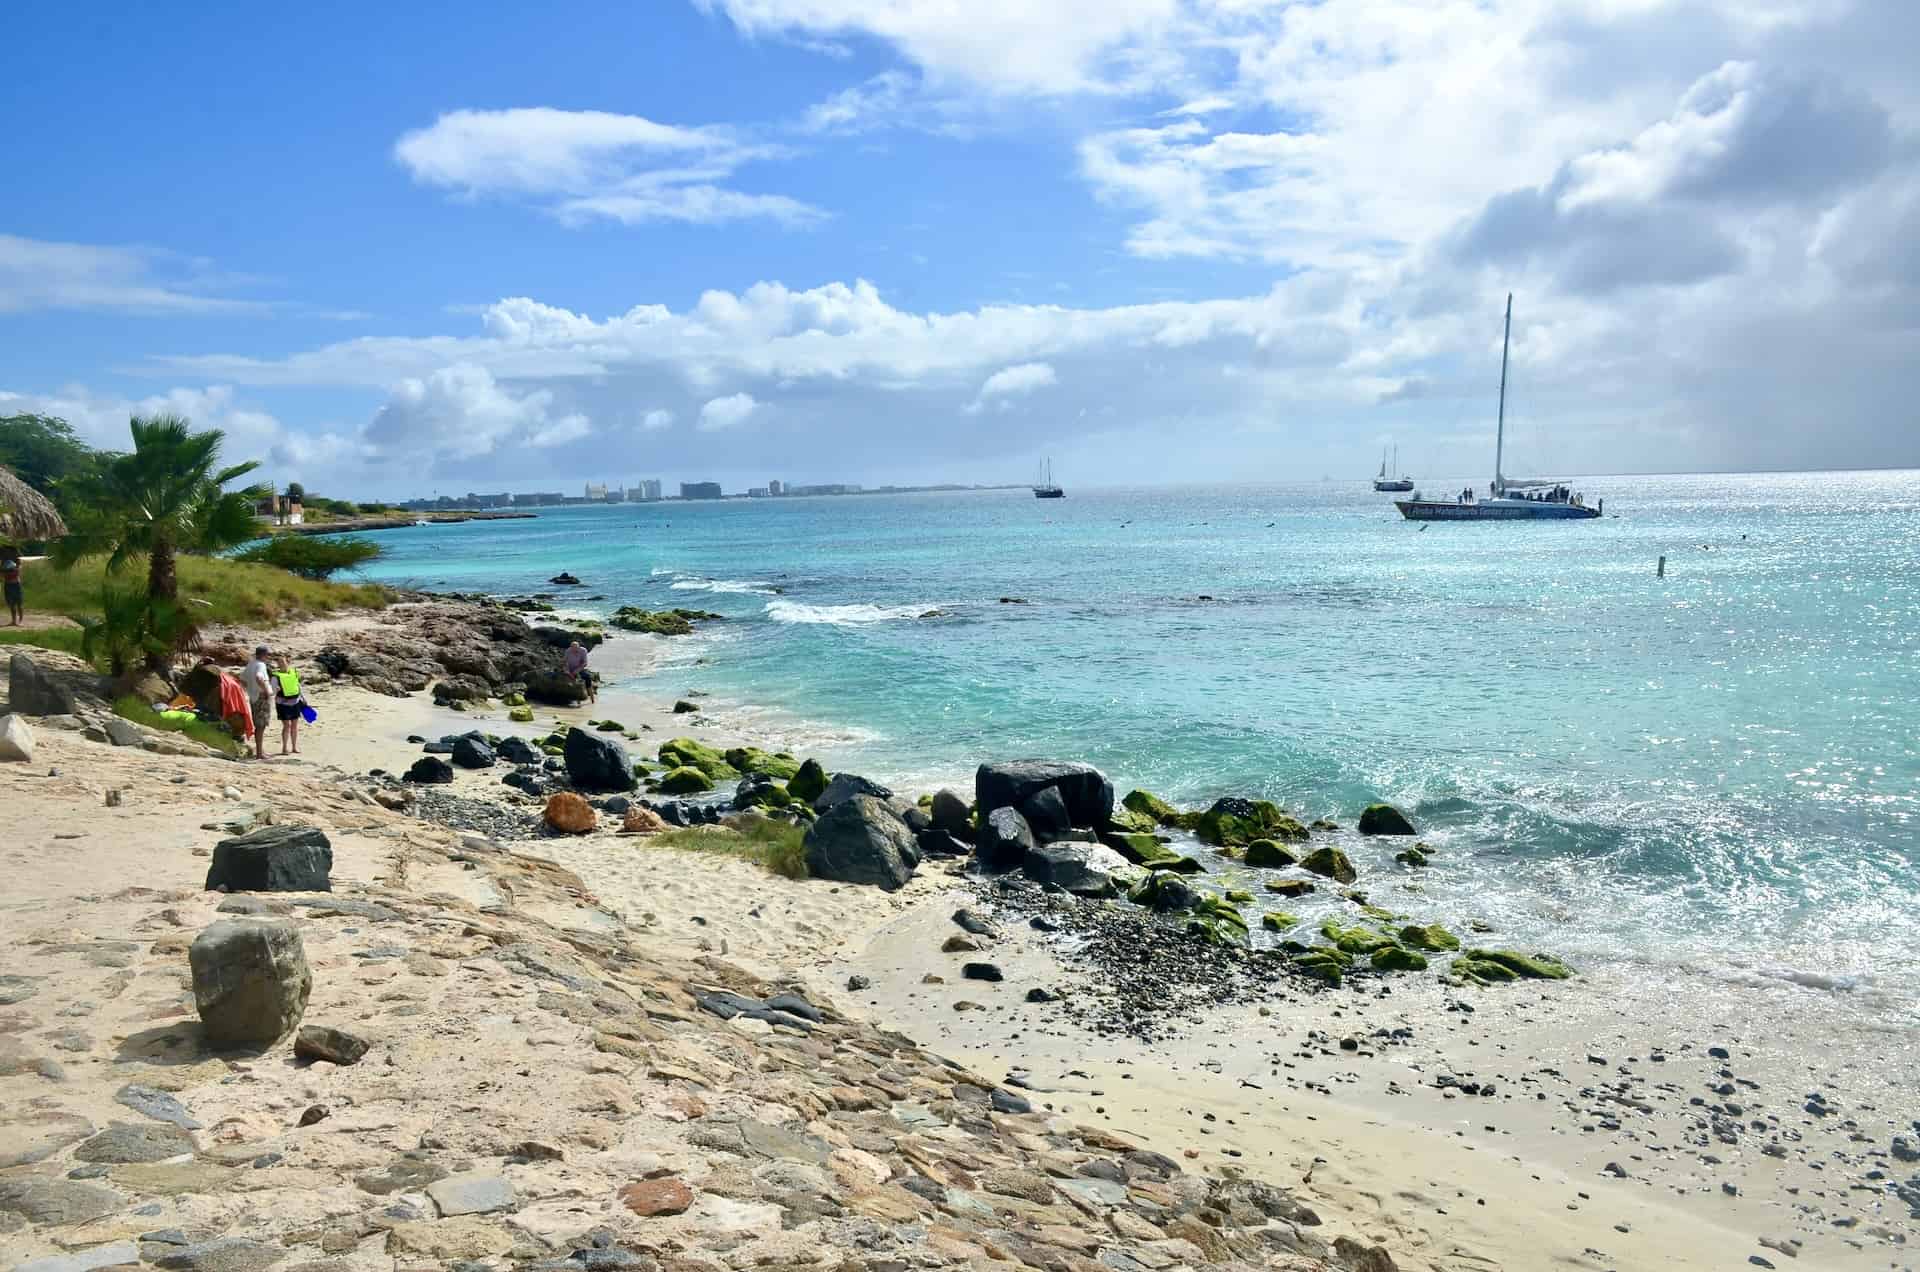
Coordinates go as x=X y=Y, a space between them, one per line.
x=164 y=497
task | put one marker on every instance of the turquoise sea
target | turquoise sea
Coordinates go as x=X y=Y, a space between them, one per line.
x=1719 y=769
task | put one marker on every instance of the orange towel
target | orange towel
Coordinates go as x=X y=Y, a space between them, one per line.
x=233 y=703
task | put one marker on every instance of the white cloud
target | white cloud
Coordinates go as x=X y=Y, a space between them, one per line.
x=36 y=274
x=726 y=412
x=461 y=411
x=874 y=103
x=251 y=433
x=1020 y=46
x=1021 y=379
x=656 y=420
x=583 y=165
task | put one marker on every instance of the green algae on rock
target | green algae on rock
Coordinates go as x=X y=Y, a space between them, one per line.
x=1216 y=919
x=673 y=622
x=808 y=782
x=686 y=753
x=686 y=780
x=752 y=760
x=1279 y=921
x=1431 y=937
x=1233 y=822
x=1149 y=805
x=1290 y=887
x=1392 y=958
x=1492 y=967
x=1331 y=863
x=1268 y=854
x=1354 y=940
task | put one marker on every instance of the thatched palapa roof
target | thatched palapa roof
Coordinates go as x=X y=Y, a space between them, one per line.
x=25 y=513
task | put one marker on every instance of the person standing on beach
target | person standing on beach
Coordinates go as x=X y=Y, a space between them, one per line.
x=10 y=578
x=576 y=667
x=258 y=682
x=288 y=702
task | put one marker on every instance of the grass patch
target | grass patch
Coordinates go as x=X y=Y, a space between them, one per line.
x=233 y=591
x=129 y=707
x=64 y=639
x=776 y=845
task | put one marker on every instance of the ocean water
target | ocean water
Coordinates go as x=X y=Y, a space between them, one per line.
x=1717 y=770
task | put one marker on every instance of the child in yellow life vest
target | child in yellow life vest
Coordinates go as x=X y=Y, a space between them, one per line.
x=288 y=702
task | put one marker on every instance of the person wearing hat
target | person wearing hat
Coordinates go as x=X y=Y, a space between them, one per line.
x=257 y=679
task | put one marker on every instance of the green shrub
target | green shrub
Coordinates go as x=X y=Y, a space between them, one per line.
x=310 y=556
x=133 y=628
x=777 y=845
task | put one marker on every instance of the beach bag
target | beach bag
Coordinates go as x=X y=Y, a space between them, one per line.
x=308 y=714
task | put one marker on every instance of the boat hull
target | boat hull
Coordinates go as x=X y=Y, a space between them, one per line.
x=1492 y=510
x=1049 y=494
x=1393 y=485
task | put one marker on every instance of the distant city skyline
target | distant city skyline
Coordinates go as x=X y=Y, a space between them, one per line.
x=904 y=241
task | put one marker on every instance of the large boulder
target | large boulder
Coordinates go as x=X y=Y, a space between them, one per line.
x=1234 y=823
x=273 y=859
x=1267 y=854
x=861 y=840
x=1330 y=863
x=1086 y=869
x=1385 y=819
x=553 y=687
x=471 y=751
x=430 y=770
x=1085 y=790
x=597 y=763
x=16 y=739
x=462 y=689
x=31 y=691
x=845 y=786
x=1046 y=814
x=1004 y=839
x=570 y=813
x=753 y=762
x=952 y=814
x=250 y=981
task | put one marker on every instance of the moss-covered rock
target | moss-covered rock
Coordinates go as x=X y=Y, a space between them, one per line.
x=1269 y=855
x=1491 y=967
x=808 y=783
x=1150 y=806
x=1141 y=850
x=772 y=795
x=1322 y=823
x=1384 y=819
x=1164 y=890
x=1178 y=865
x=777 y=765
x=521 y=715
x=1354 y=940
x=1326 y=964
x=1331 y=863
x=1392 y=958
x=1279 y=921
x=685 y=780
x=673 y=622
x=1125 y=821
x=1290 y=887
x=1412 y=857
x=686 y=753
x=515 y=700
x=1431 y=937
x=1216 y=919
x=609 y=726
x=1236 y=822
x=550 y=749
x=1239 y=896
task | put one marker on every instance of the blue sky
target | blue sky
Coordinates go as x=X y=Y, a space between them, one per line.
x=398 y=247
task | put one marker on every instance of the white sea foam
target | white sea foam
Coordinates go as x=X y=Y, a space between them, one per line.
x=842 y=615
x=750 y=587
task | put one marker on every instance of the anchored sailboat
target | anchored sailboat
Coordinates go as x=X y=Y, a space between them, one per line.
x=1384 y=482
x=1045 y=487
x=1508 y=499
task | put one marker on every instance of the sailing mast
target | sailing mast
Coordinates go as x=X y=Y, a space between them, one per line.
x=1500 y=434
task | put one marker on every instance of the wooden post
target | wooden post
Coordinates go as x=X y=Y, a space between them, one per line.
x=1661 y=571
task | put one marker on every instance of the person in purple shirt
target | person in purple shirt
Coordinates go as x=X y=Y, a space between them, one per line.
x=576 y=666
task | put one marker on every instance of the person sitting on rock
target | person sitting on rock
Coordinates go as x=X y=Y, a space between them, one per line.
x=576 y=668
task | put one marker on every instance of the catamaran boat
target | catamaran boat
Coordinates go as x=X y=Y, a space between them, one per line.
x=1384 y=482
x=1508 y=498
x=1045 y=487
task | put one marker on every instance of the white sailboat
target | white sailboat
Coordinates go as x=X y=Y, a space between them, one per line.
x=1508 y=499
x=1384 y=482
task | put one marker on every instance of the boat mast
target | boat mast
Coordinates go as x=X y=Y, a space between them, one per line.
x=1500 y=433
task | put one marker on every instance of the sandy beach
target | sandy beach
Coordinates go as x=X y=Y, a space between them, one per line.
x=1520 y=1127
